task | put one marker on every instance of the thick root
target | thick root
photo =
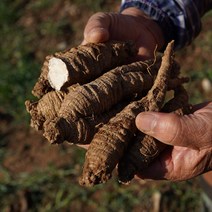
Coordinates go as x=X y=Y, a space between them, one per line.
x=92 y=95
x=80 y=131
x=112 y=139
x=46 y=108
x=81 y=65
x=145 y=148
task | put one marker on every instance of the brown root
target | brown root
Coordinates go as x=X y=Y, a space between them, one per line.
x=77 y=131
x=91 y=94
x=145 y=148
x=42 y=86
x=46 y=108
x=112 y=139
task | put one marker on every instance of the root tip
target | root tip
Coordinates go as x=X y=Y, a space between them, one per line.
x=52 y=132
x=89 y=178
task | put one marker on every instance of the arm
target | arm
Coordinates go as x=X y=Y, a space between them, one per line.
x=179 y=20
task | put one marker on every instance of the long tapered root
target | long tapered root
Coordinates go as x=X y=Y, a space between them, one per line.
x=81 y=64
x=146 y=148
x=90 y=178
x=111 y=140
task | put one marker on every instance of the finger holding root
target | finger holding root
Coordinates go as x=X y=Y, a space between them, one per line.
x=145 y=148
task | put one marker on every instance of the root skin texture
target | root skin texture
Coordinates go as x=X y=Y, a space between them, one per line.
x=46 y=108
x=81 y=64
x=112 y=139
x=97 y=97
x=42 y=86
x=78 y=131
x=91 y=94
x=145 y=148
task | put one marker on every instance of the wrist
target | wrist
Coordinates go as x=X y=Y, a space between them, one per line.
x=151 y=26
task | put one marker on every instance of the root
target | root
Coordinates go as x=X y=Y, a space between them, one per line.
x=91 y=94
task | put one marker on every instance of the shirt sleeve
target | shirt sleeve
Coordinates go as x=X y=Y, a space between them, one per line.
x=180 y=20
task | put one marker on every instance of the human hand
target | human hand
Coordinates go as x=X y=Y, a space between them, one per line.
x=132 y=24
x=190 y=140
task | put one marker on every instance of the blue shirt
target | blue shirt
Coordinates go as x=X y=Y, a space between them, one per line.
x=180 y=20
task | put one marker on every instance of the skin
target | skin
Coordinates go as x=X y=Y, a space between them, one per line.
x=190 y=140
x=102 y=27
x=189 y=137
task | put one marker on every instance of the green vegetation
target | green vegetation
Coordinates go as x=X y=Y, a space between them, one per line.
x=56 y=190
x=29 y=31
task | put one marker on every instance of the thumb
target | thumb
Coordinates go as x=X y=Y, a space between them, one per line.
x=193 y=131
x=96 y=29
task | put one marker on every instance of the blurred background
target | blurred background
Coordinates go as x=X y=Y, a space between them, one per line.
x=35 y=176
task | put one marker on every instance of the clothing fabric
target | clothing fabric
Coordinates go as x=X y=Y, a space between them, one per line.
x=180 y=20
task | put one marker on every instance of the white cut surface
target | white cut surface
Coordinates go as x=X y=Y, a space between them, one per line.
x=58 y=73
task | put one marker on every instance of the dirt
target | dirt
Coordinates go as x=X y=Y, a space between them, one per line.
x=27 y=150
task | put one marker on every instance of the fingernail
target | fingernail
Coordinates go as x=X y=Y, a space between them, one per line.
x=146 y=122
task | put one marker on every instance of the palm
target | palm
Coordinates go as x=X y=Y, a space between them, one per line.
x=178 y=163
x=123 y=27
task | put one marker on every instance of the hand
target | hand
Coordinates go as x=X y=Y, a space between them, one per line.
x=190 y=140
x=132 y=24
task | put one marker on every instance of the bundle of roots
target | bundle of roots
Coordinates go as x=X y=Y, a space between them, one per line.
x=92 y=94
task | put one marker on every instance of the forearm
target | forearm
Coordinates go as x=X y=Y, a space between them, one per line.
x=179 y=20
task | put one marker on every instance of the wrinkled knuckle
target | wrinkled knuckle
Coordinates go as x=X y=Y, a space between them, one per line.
x=175 y=127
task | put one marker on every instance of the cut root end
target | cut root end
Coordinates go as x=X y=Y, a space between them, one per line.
x=58 y=73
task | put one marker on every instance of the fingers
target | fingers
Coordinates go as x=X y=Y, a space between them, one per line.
x=177 y=164
x=159 y=168
x=193 y=131
x=102 y=27
x=97 y=28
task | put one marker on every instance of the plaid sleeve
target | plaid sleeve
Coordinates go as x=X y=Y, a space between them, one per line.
x=180 y=20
